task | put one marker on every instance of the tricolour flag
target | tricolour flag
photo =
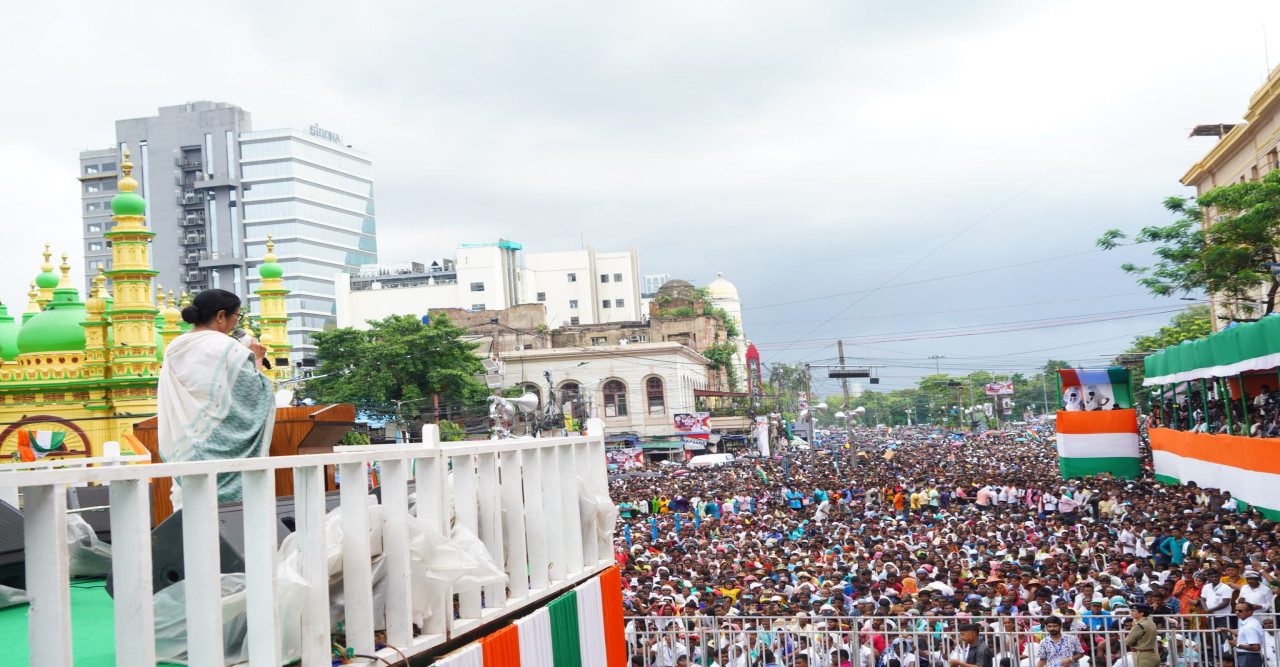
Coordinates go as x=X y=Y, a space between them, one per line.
x=763 y=475
x=582 y=628
x=1086 y=389
x=34 y=445
x=1247 y=467
x=1090 y=443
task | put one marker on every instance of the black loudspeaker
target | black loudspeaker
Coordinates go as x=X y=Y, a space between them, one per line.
x=286 y=511
x=93 y=504
x=13 y=560
x=167 y=567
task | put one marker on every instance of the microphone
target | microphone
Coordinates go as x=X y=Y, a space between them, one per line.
x=246 y=339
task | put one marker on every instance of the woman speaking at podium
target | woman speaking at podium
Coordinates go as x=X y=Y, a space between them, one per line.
x=213 y=400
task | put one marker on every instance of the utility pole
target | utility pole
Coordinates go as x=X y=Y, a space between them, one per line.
x=844 y=384
x=808 y=394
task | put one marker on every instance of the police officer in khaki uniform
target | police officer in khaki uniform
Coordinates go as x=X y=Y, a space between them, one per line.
x=1141 y=640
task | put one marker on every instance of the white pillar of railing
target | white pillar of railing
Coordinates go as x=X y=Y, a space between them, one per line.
x=202 y=563
x=513 y=516
x=489 y=496
x=357 y=574
x=260 y=535
x=597 y=467
x=131 y=572
x=309 y=518
x=466 y=509
x=433 y=509
x=553 y=509
x=395 y=551
x=535 y=518
x=48 y=578
x=572 y=516
x=587 y=528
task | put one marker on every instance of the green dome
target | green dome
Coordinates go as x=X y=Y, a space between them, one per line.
x=269 y=270
x=128 y=203
x=47 y=280
x=8 y=335
x=57 y=328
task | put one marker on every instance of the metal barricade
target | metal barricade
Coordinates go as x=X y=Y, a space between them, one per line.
x=922 y=640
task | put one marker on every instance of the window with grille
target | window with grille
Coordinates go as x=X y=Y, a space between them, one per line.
x=653 y=390
x=615 y=399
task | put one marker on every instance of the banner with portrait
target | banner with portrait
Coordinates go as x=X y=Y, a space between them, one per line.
x=1000 y=388
x=693 y=424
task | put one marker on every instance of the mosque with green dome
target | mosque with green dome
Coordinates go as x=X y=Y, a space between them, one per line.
x=89 y=368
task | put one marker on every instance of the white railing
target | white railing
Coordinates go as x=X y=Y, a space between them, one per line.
x=520 y=496
x=1187 y=640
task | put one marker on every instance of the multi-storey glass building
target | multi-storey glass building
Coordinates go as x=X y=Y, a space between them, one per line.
x=215 y=189
x=314 y=196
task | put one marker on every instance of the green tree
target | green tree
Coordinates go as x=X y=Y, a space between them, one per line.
x=1226 y=255
x=1193 y=323
x=398 y=360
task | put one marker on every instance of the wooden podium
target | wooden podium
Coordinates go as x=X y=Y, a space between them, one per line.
x=313 y=429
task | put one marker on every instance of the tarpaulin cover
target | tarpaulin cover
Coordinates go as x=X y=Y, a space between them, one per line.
x=1246 y=347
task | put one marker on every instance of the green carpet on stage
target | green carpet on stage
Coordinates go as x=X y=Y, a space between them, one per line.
x=92 y=628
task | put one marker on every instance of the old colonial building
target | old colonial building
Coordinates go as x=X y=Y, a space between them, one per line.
x=1245 y=151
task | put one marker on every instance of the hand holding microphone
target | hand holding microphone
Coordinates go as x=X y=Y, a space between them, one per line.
x=246 y=339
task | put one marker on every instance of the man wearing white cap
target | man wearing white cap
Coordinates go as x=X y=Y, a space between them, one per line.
x=1254 y=593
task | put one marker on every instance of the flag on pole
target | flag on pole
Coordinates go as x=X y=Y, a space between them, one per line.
x=1096 y=442
x=35 y=445
x=763 y=475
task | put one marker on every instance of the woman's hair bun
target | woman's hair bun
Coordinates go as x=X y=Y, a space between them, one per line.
x=191 y=315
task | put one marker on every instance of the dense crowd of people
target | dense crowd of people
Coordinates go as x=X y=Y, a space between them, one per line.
x=1211 y=409
x=931 y=548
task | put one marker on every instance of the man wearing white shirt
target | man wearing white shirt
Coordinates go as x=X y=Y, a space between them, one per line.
x=1255 y=593
x=1216 y=598
x=1249 y=639
x=1128 y=540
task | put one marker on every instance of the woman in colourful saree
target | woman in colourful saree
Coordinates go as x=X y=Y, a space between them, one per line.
x=213 y=400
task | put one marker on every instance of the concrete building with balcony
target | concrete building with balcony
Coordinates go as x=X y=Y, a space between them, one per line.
x=215 y=190
x=1245 y=151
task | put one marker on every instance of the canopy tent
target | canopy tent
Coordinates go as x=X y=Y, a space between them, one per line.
x=1247 y=347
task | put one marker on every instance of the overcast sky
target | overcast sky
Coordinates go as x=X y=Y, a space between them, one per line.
x=804 y=149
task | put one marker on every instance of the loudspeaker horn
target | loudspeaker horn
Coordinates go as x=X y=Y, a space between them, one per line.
x=527 y=402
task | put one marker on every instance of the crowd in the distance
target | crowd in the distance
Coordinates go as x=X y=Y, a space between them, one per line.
x=883 y=564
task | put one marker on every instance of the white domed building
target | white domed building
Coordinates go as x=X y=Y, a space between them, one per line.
x=724 y=295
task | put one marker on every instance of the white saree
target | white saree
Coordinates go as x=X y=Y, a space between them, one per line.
x=212 y=404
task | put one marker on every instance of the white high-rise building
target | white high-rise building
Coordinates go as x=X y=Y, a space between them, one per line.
x=584 y=286
x=215 y=189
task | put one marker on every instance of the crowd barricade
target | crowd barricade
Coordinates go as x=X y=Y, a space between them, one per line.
x=530 y=501
x=922 y=641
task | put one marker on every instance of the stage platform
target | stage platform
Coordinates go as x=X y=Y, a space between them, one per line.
x=92 y=628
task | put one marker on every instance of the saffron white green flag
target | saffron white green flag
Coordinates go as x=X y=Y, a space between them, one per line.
x=1102 y=441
